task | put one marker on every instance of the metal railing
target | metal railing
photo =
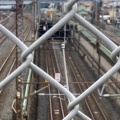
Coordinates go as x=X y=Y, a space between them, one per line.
x=71 y=9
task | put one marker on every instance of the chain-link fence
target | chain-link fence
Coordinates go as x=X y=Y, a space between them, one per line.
x=71 y=12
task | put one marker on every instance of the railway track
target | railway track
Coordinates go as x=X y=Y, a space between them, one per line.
x=113 y=36
x=79 y=80
x=9 y=23
x=62 y=102
x=113 y=84
x=56 y=107
x=5 y=55
x=8 y=59
x=53 y=102
x=4 y=22
x=8 y=64
x=92 y=104
x=2 y=37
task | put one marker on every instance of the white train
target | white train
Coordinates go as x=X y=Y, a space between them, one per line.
x=7 y=8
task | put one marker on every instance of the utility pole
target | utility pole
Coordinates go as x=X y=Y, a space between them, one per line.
x=19 y=34
x=97 y=19
x=117 y=8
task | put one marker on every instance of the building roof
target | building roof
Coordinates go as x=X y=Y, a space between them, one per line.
x=105 y=1
x=115 y=3
x=87 y=3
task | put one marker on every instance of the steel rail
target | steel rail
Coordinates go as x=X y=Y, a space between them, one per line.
x=87 y=86
x=2 y=37
x=4 y=23
x=10 y=70
x=51 y=71
x=58 y=67
x=18 y=71
x=80 y=87
x=111 y=85
x=51 y=107
x=68 y=94
x=113 y=70
x=54 y=71
x=6 y=18
x=50 y=100
x=76 y=42
x=12 y=66
x=5 y=61
x=99 y=82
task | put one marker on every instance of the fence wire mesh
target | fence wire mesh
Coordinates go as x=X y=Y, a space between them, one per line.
x=73 y=106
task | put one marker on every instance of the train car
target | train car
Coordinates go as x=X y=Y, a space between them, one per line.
x=49 y=18
x=62 y=33
x=7 y=8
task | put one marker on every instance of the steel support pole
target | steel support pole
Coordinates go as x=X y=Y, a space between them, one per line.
x=19 y=27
